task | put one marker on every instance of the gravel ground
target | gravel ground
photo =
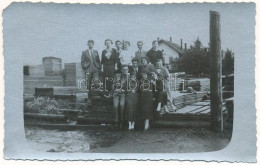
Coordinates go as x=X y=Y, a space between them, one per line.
x=156 y=140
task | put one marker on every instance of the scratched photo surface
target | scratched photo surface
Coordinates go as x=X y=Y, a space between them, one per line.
x=149 y=79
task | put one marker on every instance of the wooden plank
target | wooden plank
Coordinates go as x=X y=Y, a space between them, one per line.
x=202 y=103
x=199 y=110
x=207 y=111
x=187 y=109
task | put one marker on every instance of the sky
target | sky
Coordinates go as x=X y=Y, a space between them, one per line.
x=37 y=30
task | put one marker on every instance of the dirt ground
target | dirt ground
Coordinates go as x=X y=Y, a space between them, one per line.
x=156 y=140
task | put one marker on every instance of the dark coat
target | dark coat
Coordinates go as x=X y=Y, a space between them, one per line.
x=87 y=60
x=109 y=63
x=138 y=74
x=154 y=55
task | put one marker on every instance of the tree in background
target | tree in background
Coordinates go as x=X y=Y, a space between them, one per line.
x=228 y=63
x=195 y=60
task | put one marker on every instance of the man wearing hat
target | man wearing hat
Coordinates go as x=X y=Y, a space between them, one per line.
x=90 y=63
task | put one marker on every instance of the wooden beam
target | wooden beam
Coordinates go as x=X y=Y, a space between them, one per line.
x=216 y=121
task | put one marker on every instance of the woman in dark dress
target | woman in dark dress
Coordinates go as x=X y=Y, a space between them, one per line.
x=146 y=99
x=132 y=102
x=108 y=62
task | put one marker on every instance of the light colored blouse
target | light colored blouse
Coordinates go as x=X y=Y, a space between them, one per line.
x=126 y=57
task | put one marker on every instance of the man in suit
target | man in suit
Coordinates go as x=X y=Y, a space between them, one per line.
x=136 y=69
x=90 y=63
x=118 y=51
x=154 y=54
x=140 y=53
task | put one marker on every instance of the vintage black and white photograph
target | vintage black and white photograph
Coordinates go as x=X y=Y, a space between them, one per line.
x=114 y=78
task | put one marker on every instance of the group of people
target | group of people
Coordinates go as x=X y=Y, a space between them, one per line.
x=138 y=82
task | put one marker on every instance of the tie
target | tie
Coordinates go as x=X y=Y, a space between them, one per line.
x=91 y=54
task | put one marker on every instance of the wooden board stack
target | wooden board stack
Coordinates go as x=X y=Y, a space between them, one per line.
x=188 y=99
x=73 y=73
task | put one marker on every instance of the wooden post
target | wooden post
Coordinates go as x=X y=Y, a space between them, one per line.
x=216 y=123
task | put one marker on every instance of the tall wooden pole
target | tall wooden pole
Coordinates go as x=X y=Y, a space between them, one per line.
x=216 y=123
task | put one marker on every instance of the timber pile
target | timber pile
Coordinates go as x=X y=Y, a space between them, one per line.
x=194 y=84
x=30 y=83
x=57 y=91
x=66 y=90
x=188 y=99
x=199 y=110
x=99 y=109
x=73 y=73
x=52 y=66
x=35 y=70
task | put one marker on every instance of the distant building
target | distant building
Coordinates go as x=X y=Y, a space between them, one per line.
x=171 y=51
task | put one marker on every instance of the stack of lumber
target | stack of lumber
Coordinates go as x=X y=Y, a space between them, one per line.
x=73 y=73
x=30 y=83
x=194 y=84
x=175 y=84
x=66 y=90
x=205 y=84
x=182 y=101
x=52 y=66
x=198 y=110
x=35 y=70
x=99 y=109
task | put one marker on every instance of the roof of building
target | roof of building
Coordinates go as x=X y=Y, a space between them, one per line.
x=174 y=46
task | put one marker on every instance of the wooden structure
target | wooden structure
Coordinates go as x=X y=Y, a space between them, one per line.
x=73 y=73
x=188 y=99
x=34 y=70
x=52 y=66
x=216 y=123
x=30 y=83
x=198 y=110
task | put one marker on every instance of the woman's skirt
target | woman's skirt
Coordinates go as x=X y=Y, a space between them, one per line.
x=131 y=106
x=109 y=72
x=146 y=104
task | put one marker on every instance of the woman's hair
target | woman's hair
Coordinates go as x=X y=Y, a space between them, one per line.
x=145 y=59
x=134 y=59
x=117 y=42
x=127 y=42
x=108 y=40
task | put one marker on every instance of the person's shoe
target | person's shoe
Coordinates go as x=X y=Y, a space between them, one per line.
x=117 y=125
x=121 y=126
x=166 y=109
x=146 y=129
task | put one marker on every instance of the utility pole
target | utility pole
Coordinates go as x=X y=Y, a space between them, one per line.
x=216 y=122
